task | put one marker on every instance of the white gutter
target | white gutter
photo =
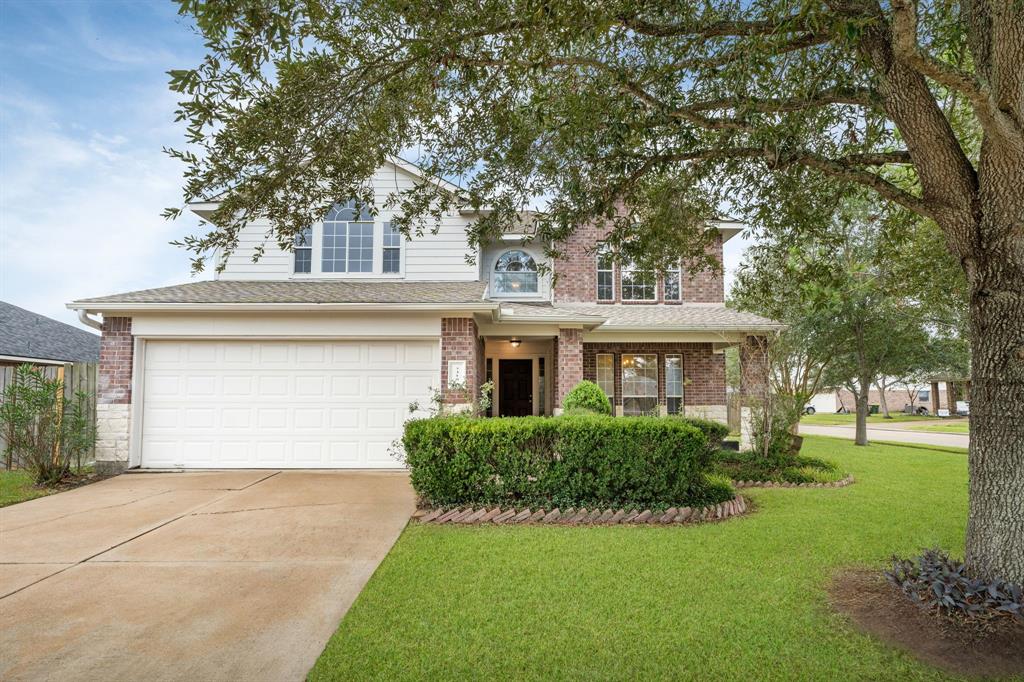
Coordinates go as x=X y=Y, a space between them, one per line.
x=83 y=317
x=33 y=361
x=100 y=306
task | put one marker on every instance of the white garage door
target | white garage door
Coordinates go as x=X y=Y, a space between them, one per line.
x=306 y=404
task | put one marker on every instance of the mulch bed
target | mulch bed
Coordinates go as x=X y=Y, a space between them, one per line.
x=583 y=517
x=959 y=648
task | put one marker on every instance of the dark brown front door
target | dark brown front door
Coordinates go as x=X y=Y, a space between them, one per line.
x=515 y=388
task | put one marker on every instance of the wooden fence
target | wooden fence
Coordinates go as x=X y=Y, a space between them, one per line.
x=77 y=377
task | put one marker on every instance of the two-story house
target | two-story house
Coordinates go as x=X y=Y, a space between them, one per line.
x=311 y=357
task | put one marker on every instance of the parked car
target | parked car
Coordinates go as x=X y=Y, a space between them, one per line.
x=809 y=409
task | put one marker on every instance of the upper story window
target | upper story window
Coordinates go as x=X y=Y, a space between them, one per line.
x=347 y=240
x=304 y=250
x=638 y=285
x=673 y=284
x=392 y=249
x=605 y=274
x=515 y=272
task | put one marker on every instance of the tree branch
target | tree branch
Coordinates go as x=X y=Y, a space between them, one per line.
x=714 y=29
x=854 y=97
x=904 y=38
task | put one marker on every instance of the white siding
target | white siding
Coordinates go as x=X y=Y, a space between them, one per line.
x=440 y=256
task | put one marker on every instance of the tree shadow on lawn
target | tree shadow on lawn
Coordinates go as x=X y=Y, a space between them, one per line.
x=878 y=608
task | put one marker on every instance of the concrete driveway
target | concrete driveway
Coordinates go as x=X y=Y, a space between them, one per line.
x=202 y=576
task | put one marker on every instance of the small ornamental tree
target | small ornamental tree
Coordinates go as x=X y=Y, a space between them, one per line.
x=587 y=396
x=46 y=433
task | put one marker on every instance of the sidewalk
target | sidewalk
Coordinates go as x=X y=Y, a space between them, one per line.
x=889 y=433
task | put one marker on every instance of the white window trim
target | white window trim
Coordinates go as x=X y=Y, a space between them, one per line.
x=621 y=369
x=494 y=293
x=597 y=275
x=597 y=374
x=316 y=270
x=678 y=271
x=682 y=387
x=623 y=269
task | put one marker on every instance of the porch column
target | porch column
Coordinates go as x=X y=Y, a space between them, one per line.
x=951 y=398
x=460 y=361
x=569 y=359
x=935 y=399
x=753 y=382
x=114 y=395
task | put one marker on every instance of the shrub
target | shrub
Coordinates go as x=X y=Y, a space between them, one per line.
x=934 y=581
x=570 y=461
x=714 y=432
x=44 y=431
x=586 y=397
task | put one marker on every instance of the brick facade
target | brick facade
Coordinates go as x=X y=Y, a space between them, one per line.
x=569 y=361
x=114 y=395
x=460 y=340
x=576 y=273
x=703 y=370
x=115 y=368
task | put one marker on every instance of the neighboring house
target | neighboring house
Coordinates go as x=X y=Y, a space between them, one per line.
x=925 y=398
x=26 y=337
x=311 y=358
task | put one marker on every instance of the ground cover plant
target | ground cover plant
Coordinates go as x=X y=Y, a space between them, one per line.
x=743 y=599
x=746 y=466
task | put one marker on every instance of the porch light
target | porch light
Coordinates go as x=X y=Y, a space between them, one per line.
x=515 y=341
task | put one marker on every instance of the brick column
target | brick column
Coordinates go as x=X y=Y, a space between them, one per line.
x=753 y=382
x=951 y=398
x=570 y=363
x=114 y=395
x=935 y=399
x=459 y=343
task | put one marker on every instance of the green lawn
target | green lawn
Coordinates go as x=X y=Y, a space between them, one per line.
x=959 y=426
x=16 y=486
x=825 y=419
x=742 y=599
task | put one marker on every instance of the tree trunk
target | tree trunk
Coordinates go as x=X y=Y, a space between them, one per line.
x=995 y=521
x=861 y=435
x=881 y=398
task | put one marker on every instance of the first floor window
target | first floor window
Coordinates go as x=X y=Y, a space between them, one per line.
x=606 y=374
x=347 y=240
x=673 y=284
x=605 y=274
x=924 y=395
x=638 y=285
x=304 y=250
x=674 y=383
x=639 y=384
x=392 y=248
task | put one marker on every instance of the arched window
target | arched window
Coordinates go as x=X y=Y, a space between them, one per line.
x=515 y=272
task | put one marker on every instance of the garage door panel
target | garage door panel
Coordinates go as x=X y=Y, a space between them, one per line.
x=281 y=404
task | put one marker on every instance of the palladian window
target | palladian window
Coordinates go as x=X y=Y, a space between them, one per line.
x=515 y=272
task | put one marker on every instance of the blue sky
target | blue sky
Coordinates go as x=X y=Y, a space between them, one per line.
x=84 y=114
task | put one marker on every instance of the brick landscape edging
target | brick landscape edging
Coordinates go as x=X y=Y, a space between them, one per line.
x=841 y=483
x=580 y=517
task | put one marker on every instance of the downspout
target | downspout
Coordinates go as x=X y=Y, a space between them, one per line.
x=83 y=317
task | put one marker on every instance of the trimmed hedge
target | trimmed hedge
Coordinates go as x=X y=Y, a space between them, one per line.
x=586 y=396
x=714 y=432
x=564 y=461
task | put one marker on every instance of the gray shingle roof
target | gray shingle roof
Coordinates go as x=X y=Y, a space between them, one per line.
x=25 y=334
x=695 y=316
x=304 y=291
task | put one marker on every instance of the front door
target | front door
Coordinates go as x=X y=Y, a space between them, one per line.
x=515 y=388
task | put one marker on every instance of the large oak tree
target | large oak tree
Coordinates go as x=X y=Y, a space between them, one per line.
x=651 y=116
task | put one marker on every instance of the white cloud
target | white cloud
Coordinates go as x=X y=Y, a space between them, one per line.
x=80 y=208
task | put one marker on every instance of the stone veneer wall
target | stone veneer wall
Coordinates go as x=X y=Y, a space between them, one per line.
x=114 y=395
x=703 y=373
x=576 y=273
x=460 y=341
